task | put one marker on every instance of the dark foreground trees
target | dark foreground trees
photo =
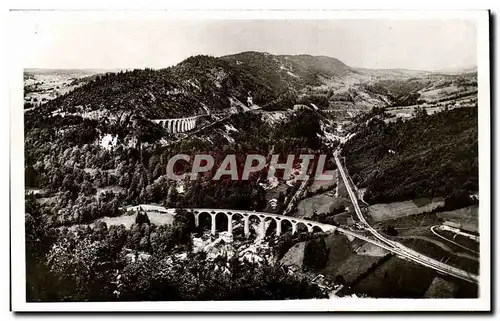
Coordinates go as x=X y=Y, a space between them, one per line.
x=144 y=263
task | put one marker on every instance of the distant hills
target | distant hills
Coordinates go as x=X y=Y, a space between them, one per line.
x=202 y=83
x=69 y=71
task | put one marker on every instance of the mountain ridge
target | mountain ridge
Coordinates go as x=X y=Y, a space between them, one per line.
x=201 y=84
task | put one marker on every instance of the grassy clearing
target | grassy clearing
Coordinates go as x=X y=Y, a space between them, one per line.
x=321 y=203
x=418 y=224
x=357 y=265
x=343 y=261
x=339 y=251
x=369 y=249
x=441 y=288
x=395 y=278
x=295 y=255
x=341 y=189
x=114 y=189
x=128 y=220
x=467 y=216
x=317 y=184
x=389 y=211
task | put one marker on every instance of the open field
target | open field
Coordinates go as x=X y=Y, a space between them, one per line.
x=412 y=223
x=344 y=261
x=395 y=278
x=467 y=217
x=419 y=226
x=44 y=85
x=356 y=266
x=370 y=249
x=321 y=203
x=382 y=212
x=400 y=278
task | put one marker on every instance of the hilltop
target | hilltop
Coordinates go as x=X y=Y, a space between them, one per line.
x=203 y=84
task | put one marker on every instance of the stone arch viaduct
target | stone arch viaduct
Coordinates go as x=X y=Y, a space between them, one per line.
x=177 y=125
x=261 y=216
x=325 y=228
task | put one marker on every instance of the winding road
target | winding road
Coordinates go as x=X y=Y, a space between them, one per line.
x=396 y=247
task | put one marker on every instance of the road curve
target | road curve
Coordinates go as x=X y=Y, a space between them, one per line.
x=453 y=242
x=397 y=247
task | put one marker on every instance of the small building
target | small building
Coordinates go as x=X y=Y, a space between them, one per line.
x=273 y=203
x=403 y=115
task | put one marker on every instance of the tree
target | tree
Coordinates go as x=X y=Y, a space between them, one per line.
x=78 y=265
x=142 y=217
x=391 y=230
x=316 y=254
x=87 y=189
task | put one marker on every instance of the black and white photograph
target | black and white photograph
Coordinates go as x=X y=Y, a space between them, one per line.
x=243 y=160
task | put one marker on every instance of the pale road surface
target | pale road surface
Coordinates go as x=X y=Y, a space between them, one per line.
x=397 y=247
x=453 y=242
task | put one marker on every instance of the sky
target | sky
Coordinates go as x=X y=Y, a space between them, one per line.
x=106 y=42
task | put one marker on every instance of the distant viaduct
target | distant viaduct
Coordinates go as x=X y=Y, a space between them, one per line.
x=177 y=125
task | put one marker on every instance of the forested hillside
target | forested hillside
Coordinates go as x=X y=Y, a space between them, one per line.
x=197 y=84
x=83 y=180
x=423 y=157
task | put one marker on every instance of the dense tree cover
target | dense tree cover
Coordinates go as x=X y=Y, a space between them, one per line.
x=113 y=263
x=426 y=156
x=327 y=218
x=284 y=101
x=303 y=125
x=361 y=120
x=458 y=198
x=196 y=278
x=231 y=194
x=83 y=180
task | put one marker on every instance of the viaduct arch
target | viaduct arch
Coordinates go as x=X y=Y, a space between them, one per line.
x=177 y=125
x=261 y=216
